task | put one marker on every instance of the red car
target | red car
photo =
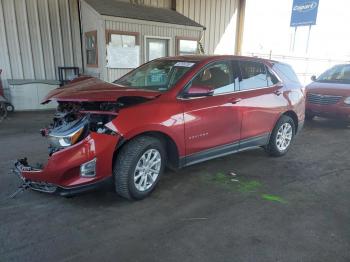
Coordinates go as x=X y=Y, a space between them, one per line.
x=171 y=112
x=329 y=94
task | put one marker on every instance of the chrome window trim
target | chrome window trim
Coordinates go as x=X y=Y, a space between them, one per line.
x=280 y=82
x=228 y=93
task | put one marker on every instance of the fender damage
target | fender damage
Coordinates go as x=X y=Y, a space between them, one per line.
x=81 y=146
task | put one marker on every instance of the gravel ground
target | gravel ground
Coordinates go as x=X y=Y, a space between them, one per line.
x=294 y=208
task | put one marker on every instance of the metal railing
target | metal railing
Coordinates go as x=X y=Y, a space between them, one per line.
x=304 y=67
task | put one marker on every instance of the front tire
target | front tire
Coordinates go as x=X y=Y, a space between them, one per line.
x=138 y=167
x=282 y=137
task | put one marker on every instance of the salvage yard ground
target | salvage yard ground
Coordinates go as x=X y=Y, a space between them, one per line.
x=244 y=207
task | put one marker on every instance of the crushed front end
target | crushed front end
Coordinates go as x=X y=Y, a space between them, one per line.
x=81 y=149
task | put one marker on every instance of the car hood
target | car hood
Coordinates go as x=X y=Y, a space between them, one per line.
x=329 y=89
x=95 y=90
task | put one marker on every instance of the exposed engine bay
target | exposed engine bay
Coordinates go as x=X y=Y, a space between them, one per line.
x=73 y=121
x=82 y=137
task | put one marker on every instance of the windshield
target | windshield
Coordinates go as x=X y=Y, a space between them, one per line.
x=158 y=75
x=338 y=74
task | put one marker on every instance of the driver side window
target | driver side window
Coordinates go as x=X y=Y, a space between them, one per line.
x=216 y=77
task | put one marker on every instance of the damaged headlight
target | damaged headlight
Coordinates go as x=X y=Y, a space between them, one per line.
x=68 y=140
x=69 y=133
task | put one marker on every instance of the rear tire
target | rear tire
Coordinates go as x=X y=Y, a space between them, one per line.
x=138 y=167
x=282 y=137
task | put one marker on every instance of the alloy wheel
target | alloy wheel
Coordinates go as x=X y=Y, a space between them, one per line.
x=147 y=169
x=284 y=136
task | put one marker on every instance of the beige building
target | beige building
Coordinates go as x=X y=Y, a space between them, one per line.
x=38 y=36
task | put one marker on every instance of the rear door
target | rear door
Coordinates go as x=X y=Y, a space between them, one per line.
x=261 y=102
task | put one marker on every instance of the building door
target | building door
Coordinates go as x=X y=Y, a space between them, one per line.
x=156 y=48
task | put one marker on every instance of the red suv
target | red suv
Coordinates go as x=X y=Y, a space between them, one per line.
x=171 y=112
x=329 y=94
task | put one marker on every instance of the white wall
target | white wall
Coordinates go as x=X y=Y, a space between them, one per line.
x=147 y=28
x=267 y=30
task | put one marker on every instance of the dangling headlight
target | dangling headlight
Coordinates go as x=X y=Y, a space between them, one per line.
x=68 y=134
x=70 y=139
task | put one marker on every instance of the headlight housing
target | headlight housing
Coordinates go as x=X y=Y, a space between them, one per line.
x=347 y=100
x=68 y=133
x=68 y=140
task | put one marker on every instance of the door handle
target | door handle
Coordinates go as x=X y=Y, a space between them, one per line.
x=278 y=92
x=235 y=100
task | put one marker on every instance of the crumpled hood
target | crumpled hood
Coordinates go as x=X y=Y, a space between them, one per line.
x=95 y=90
x=334 y=89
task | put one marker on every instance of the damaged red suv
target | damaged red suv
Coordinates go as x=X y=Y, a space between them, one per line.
x=171 y=112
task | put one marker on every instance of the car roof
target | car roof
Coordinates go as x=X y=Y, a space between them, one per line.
x=209 y=58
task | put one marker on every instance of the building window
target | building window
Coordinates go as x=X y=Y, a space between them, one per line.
x=186 y=46
x=156 y=48
x=122 y=38
x=91 y=48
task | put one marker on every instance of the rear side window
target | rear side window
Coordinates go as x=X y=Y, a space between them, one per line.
x=254 y=75
x=286 y=72
x=236 y=73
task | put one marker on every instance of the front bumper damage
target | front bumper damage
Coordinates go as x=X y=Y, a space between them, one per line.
x=61 y=175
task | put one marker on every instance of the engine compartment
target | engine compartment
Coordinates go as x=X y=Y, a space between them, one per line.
x=77 y=119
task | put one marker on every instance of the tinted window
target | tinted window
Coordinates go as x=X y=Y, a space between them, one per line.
x=217 y=77
x=236 y=73
x=286 y=72
x=253 y=75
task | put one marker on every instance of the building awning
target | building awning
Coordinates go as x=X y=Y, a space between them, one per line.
x=141 y=12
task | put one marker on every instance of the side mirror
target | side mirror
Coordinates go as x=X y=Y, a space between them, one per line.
x=197 y=91
x=313 y=78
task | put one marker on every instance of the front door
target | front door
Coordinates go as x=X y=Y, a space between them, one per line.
x=212 y=123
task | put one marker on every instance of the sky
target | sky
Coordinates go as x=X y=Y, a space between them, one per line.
x=267 y=29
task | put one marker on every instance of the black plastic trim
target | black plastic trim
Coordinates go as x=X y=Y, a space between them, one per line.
x=300 y=126
x=225 y=150
x=71 y=191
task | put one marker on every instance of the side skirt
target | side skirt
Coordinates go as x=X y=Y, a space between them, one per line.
x=224 y=150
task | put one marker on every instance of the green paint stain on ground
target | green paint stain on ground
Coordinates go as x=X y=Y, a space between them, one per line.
x=243 y=185
x=274 y=198
x=249 y=186
x=221 y=178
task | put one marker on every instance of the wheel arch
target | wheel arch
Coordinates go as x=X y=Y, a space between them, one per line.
x=171 y=148
x=293 y=116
